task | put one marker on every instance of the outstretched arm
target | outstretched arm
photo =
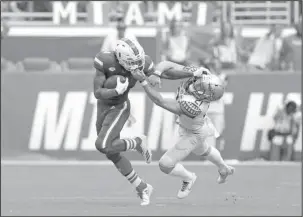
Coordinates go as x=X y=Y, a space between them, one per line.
x=169 y=104
x=172 y=71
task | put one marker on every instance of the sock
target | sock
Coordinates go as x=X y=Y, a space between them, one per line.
x=136 y=181
x=181 y=172
x=124 y=166
x=133 y=144
x=215 y=157
x=120 y=145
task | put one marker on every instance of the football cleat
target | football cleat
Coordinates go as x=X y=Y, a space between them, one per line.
x=224 y=173
x=186 y=187
x=144 y=149
x=145 y=195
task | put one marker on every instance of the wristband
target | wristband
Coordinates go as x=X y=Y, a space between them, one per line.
x=158 y=73
x=143 y=83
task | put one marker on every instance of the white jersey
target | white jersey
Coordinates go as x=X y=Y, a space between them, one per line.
x=194 y=111
x=195 y=127
x=195 y=123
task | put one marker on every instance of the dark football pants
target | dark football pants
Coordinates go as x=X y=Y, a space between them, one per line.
x=110 y=121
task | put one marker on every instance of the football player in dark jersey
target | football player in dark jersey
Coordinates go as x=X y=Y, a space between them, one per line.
x=113 y=106
x=113 y=109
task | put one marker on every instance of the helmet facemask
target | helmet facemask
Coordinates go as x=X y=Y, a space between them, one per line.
x=205 y=88
x=130 y=55
x=132 y=65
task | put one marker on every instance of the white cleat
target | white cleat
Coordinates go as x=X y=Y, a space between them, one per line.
x=145 y=195
x=186 y=187
x=145 y=151
x=224 y=173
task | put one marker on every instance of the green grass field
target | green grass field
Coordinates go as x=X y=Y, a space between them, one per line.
x=101 y=190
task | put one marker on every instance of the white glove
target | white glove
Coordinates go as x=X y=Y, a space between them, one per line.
x=201 y=71
x=121 y=87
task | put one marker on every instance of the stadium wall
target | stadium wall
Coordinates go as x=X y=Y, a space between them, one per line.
x=59 y=49
x=54 y=115
x=62 y=43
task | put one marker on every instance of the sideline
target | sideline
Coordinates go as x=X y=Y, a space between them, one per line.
x=139 y=163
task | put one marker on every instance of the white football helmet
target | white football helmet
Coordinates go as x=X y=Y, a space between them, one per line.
x=207 y=87
x=130 y=54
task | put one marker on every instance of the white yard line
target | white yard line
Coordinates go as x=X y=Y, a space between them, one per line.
x=136 y=163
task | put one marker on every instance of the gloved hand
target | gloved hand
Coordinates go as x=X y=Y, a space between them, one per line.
x=121 y=87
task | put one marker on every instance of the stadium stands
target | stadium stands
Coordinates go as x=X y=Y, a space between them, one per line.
x=7 y=66
x=239 y=13
x=35 y=64
x=77 y=64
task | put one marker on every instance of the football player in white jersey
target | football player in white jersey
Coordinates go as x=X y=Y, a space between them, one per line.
x=191 y=105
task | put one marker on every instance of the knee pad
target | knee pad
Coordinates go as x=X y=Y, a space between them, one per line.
x=100 y=147
x=102 y=150
x=114 y=157
x=166 y=164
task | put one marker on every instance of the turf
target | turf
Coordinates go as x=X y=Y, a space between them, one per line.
x=101 y=190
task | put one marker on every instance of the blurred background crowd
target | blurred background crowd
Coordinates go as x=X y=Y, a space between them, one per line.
x=226 y=50
x=233 y=48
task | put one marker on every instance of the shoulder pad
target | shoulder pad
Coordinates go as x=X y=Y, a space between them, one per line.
x=189 y=106
x=103 y=57
x=149 y=66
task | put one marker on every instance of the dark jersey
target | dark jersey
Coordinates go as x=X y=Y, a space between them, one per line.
x=109 y=65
